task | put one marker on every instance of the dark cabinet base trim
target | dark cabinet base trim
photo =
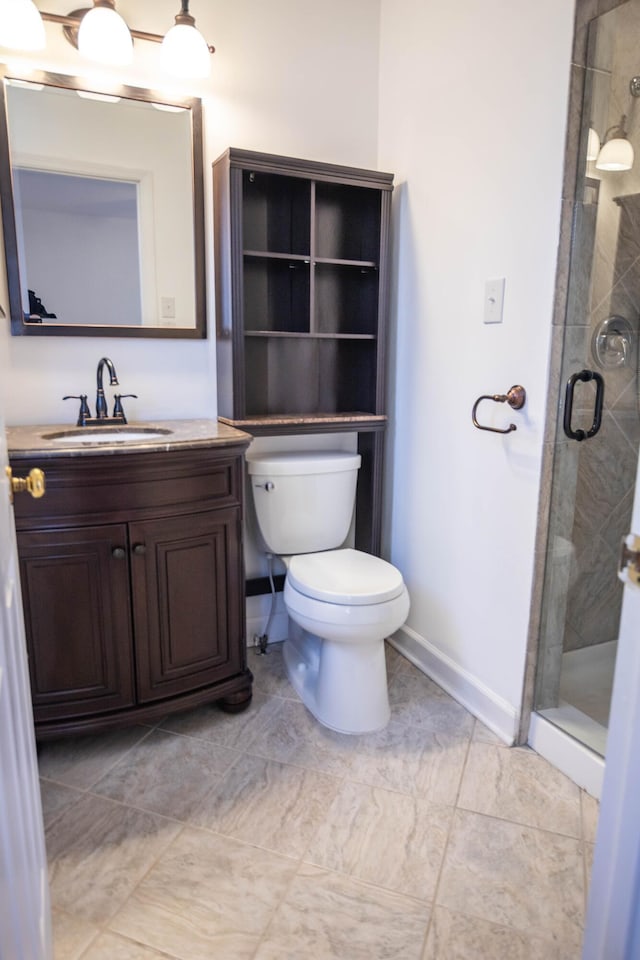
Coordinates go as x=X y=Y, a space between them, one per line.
x=258 y=586
x=237 y=702
x=235 y=691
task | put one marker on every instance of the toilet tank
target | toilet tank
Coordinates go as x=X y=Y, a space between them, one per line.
x=304 y=501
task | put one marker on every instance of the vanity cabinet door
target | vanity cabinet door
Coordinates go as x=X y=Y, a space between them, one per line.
x=188 y=618
x=75 y=586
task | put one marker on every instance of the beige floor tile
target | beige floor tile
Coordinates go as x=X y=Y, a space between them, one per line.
x=590 y=814
x=80 y=761
x=56 y=798
x=270 y=804
x=404 y=665
x=481 y=732
x=270 y=674
x=417 y=701
x=326 y=916
x=413 y=761
x=454 y=936
x=71 y=935
x=97 y=853
x=236 y=730
x=517 y=784
x=207 y=896
x=516 y=876
x=384 y=838
x=369 y=815
x=589 y=851
x=394 y=660
x=294 y=736
x=167 y=774
x=111 y=946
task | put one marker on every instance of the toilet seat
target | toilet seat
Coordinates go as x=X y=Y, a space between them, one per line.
x=344 y=577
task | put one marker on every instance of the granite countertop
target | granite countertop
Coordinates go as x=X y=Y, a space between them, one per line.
x=39 y=441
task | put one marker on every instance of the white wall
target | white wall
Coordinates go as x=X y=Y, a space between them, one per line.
x=290 y=76
x=473 y=101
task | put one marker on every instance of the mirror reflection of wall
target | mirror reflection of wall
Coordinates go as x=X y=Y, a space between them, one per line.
x=104 y=191
x=78 y=243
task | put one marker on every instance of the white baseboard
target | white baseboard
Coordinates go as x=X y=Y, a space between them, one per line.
x=498 y=715
x=571 y=757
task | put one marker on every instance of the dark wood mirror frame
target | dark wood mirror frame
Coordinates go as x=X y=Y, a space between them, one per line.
x=18 y=326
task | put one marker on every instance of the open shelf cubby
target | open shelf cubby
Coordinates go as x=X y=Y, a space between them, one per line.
x=347 y=222
x=276 y=213
x=276 y=295
x=336 y=375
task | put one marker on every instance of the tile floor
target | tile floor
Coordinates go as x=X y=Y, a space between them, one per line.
x=264 y=836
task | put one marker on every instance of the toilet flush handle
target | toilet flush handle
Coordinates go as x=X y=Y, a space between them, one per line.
x=268 y=486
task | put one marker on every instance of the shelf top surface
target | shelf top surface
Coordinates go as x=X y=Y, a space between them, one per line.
x=309 y=422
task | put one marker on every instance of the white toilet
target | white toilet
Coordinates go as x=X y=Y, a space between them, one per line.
x=342 y=603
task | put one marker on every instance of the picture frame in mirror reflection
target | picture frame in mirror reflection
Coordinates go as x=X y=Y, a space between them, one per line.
x=102 y=209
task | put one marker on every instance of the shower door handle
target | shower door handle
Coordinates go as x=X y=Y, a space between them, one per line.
x=584 y=376
x=629 y=564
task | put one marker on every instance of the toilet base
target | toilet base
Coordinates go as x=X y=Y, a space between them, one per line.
x=344 y=685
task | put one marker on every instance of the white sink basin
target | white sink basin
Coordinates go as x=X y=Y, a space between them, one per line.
x=108 y=435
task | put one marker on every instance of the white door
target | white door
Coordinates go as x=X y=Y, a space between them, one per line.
x=613 y=917
x=25 y=926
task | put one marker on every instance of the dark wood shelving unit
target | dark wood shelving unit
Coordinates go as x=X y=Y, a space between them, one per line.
x=301 y=252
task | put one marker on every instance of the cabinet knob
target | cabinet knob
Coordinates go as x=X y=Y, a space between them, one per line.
x=118 y=553
x=139 y=549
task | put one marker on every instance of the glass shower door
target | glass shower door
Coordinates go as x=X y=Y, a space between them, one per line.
x=598 y=423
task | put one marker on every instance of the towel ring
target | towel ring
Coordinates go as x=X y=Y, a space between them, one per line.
x=515 y=397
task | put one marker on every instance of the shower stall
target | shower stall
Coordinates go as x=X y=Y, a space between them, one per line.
x=593 y=444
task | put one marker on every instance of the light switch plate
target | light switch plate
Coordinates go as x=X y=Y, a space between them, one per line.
x=167 y=307
x=493 y=300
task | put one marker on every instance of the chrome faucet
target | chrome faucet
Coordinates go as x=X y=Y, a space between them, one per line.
x=101 y=403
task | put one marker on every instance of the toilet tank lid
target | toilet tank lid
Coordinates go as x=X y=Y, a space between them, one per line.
x=302 y=462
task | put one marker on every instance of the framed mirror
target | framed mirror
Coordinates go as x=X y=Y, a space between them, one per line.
x=102 y=209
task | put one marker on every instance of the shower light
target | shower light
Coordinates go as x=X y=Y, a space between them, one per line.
x=593 y=145
x=616 y=153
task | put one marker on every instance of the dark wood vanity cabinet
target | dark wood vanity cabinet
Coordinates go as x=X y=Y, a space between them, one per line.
x=302 y=276
x=186 y=615
x=133 y=591
x=78 y=620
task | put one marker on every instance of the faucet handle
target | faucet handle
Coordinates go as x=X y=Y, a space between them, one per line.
x=84 y=413
x=117 y=404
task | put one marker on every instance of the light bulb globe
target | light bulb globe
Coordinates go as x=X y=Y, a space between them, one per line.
x=184 y=53
x=21 y=26
x=103 y=36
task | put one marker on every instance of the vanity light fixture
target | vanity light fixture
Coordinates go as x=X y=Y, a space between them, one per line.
x=101 y=34
x=616 y=153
